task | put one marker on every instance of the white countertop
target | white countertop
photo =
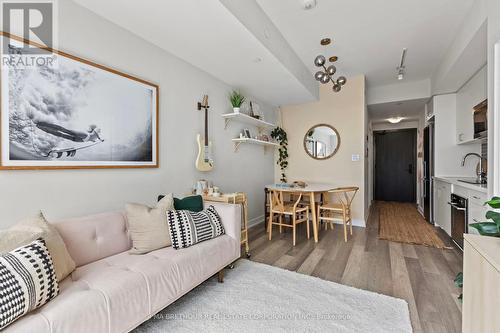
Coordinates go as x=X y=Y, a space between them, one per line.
x=454 y=181
x=488 y=247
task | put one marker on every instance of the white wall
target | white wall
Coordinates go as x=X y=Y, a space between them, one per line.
x=400 y=91
x=387 y=126
x=344 y=111
x=76 y=192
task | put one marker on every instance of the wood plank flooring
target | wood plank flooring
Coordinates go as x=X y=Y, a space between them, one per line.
x=423 y=276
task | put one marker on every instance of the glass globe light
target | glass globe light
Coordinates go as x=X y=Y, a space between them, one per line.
x=319 y=61
x=319 y=75
x=325 y=79
x=341 y=80
x=331 y=70
x=336 y=87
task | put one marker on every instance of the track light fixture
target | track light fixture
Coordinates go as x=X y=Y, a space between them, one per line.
x=401 y=69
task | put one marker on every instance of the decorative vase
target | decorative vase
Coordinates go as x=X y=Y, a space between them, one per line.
x=236 y=110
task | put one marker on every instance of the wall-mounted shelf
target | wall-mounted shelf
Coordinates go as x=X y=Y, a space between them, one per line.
x=246 y=119
x=266 y=144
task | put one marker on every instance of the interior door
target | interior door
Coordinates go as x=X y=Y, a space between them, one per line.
x=395 y=165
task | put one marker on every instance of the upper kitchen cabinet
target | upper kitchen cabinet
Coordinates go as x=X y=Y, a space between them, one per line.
x=470 y=95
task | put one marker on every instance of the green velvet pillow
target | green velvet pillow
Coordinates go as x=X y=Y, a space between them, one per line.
x=192 y=203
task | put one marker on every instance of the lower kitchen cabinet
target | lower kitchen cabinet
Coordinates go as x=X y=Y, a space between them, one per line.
x=481 y=294
x=442 y=212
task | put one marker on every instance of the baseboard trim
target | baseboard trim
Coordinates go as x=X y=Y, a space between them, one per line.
x=256 y=221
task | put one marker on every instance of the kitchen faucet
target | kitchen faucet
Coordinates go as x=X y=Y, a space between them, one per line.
x=481 y=176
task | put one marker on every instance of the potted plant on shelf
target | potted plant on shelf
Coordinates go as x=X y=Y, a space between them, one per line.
x=236 y=99
x=488 y=228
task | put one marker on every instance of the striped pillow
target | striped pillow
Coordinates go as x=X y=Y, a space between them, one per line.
x=188 y=228
x=27 y=281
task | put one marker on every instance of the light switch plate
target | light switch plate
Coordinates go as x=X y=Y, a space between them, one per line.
x=355 y=157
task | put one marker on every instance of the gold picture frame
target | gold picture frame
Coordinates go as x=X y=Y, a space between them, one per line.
x=60 y=158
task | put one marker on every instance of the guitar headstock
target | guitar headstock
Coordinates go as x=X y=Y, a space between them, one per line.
x=204 y=103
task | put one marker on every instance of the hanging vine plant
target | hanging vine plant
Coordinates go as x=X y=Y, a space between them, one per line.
x=279 y=135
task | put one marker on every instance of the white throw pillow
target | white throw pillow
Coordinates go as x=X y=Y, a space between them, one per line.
x=148 y=226
x=35 y=227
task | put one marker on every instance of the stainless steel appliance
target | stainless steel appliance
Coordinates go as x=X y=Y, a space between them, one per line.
x=459 y=225
x=481 y=120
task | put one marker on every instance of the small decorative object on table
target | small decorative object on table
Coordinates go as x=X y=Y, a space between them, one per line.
x=299 y=183
x=236 y=99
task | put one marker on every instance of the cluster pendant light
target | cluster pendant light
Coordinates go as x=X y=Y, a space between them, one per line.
x=327 y=74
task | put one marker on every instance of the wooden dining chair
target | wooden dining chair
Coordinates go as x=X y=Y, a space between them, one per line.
x=277 y=206
x=339 y=209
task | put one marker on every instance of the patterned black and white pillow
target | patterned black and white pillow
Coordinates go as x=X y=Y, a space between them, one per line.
x=188 y=228
x=27 y=281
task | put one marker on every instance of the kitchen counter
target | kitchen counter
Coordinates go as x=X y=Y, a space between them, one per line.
x=455 y=181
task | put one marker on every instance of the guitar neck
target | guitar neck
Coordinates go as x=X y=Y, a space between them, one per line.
x=206 y=127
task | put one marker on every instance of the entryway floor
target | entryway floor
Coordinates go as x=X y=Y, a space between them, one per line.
x=421 y=275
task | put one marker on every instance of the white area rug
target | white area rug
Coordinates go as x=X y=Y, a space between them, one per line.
x=261 y=298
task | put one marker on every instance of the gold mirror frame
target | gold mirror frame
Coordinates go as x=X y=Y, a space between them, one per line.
x=329 y=156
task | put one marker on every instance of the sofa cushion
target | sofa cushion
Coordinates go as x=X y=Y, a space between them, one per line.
x=27 y=281
x=188 y=228
x=32 y=228
x=94 y=237
x=77 y=309
x=170 y=273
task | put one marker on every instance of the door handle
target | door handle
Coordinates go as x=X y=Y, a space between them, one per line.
x=410 y=168
x=455 y=206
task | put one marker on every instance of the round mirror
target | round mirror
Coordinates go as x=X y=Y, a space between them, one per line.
x=321 y=141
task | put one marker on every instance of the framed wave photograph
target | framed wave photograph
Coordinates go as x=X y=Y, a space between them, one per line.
x=70 y=113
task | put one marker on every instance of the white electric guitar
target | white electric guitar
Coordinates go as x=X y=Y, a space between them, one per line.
x=204 y=161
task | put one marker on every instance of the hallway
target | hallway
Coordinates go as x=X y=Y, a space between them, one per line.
x=401 y=222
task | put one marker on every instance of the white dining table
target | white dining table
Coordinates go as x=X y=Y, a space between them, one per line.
x=309 y=190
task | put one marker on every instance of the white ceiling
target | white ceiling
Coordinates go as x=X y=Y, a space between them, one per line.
x=409 y=110
x=369 y=35
x=206 y=34
x=241 y=41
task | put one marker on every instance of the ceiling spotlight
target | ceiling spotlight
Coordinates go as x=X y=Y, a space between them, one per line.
x=309 y=4
x=401 y=68
x=395 y=120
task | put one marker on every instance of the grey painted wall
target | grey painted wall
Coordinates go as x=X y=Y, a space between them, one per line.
x=70 y=193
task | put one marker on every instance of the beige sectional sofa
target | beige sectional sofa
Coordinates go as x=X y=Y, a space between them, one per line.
x=114 y=291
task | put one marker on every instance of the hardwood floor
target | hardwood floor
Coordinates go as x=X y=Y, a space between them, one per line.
x=423 y=276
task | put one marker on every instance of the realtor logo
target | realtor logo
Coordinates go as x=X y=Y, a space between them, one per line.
x=33 y=21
